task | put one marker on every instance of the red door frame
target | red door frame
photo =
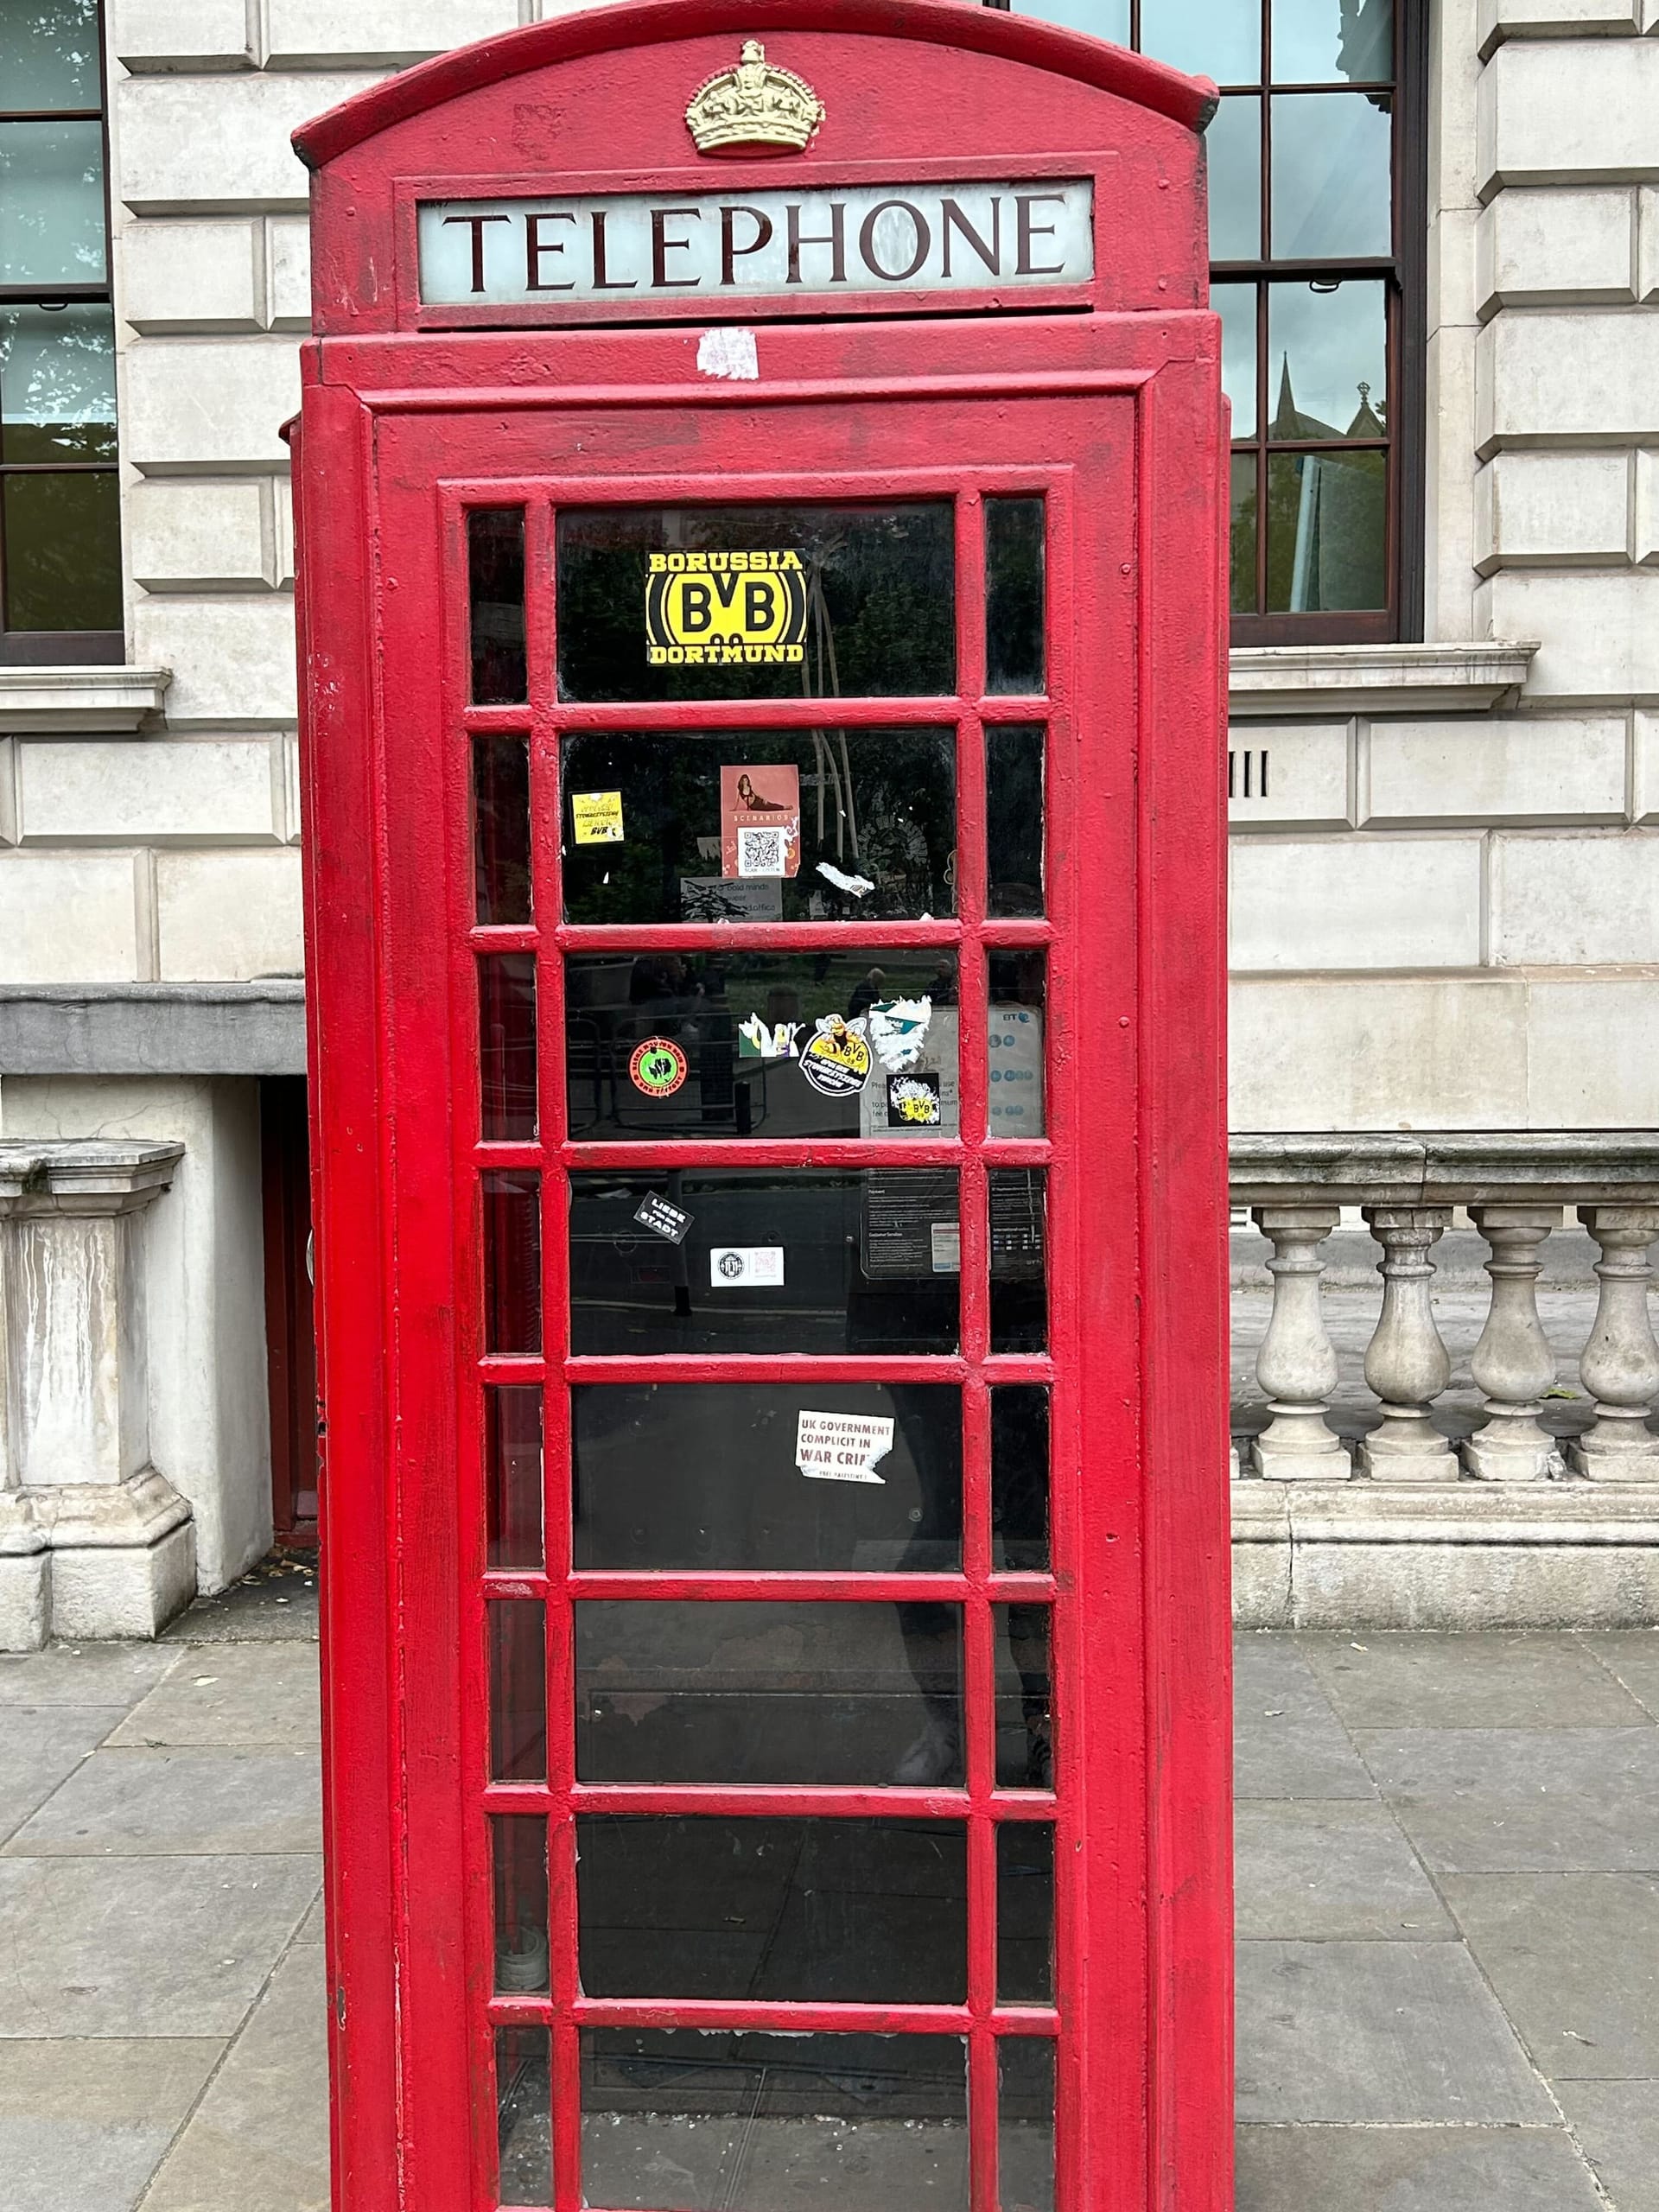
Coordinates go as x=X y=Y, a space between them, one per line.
x=1117 y=418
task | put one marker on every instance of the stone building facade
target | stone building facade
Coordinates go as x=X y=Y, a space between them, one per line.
x=1445 y=849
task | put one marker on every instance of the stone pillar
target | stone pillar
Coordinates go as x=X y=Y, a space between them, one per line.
x=106 y=1539
x=1297 y=1363
x=1405 y=1363
x=1512 y=1364
x=1619 y=1366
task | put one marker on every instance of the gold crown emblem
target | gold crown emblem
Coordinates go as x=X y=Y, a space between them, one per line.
x=755 y=107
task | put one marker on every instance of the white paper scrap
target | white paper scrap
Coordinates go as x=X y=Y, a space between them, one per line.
x=898 y=1029
x=728 y=353
x=842 y=1447
x=858 y=886
x=745 y=1267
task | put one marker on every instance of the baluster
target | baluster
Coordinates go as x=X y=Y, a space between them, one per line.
x=1297 y=1363
x=1513 y=1365
x=1620 y=1365
x=1405 y=1363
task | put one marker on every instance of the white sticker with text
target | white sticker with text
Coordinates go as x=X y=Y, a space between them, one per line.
x=842 y=1447
x=745 y=1267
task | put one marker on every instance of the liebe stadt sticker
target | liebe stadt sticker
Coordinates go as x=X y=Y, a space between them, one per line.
x=842 y=1447
x=835 y=1059
x=658 y=1067
x=663 y=1217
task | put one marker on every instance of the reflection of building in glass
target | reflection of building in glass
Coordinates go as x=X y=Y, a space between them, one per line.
x=1326 y=511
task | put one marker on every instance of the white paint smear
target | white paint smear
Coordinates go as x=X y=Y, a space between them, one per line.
x=842 y=1447
x=897 y=1032
x=858 y=886
x=730 y=353
x=745 y=1267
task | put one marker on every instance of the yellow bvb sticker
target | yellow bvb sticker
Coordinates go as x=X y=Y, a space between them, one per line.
x=713 y=610
x=835 y=1060
x=597 y=816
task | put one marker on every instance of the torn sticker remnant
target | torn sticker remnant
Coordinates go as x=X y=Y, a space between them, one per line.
x=764 y=1040
x=857 y=887
x=842 y=1447
x=897 y=1030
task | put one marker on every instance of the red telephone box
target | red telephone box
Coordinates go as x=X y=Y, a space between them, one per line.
x=761 y=506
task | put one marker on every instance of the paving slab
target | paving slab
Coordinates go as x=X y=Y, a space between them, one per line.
x=1287 y=1739
x=273 y=1603
x=83 y=1673
x=1633 y=1656
x=259 y=2138
x=1575 y=1960
x=1617 y=2127
x=1412 y=2170
x=311 y=1929
x=1328 y=1868
x=173 y=1803
x=237 y=1694
x=40 y=1747
x=1511 y=1800
x=1388 y=2033
x=1420 y=1681
x=142 y=1946
x=83 y=2123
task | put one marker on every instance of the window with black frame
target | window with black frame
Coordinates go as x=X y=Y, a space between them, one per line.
x=1315 y=239
x=60 y=516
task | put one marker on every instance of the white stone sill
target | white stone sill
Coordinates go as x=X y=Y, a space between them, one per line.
x=1464 y=1512
x=93 y=701
x=1274 y=681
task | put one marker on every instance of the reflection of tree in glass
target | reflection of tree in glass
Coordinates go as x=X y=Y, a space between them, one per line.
x=57 y=382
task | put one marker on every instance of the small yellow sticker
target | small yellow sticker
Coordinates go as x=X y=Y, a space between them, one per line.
x=598 y=817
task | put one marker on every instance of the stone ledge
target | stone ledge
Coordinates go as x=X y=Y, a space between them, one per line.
x=1278 y=680
x=1473 y=1167
x=154 y=1029
x=91 y=1175
x=89 y=700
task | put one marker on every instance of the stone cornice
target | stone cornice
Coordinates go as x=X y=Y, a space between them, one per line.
x=1274 y=681
x=91 y=701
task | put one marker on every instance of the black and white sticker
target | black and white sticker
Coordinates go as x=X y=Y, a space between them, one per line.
x=661 y=1217
x=745 y=1267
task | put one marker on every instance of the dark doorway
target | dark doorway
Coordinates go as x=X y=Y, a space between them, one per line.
x=290 y=1347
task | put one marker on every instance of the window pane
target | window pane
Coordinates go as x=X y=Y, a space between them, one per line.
x=1014 y=1042
x=495 y=544
x=1243 y=533
x=1319 y=41
x=1209 y=38
x=1235 y=305
x=1014 y=819
x=1025 y=1720
x=710 y=1477
x=62 y=564
x=654 y=822
x=519 y=1845
x=1019 y=1476
x=48 y=54
x=674 y=2121
x=847 y=1694
x=1108 y=19
x=524 y=2104
x=1330 y=170
x=57 y=384
x=1327 y=531
x=1019 y=1270
x=830 y=1911
x=502 y=828
x=51 y=202
x=1233 y=149
x=517 y=1691
x=512 y=1439
x=513 y=1263
x=1014 y=595
x=1024 y=2133
x=1327 y=361
x=506 y=1046
x=1025 y=1912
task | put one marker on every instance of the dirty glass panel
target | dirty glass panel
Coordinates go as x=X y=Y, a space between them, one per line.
x=653 y=825
x=1207 y=38
x=676 y=2121
x=524 y=2107
x=513 y=1445
x=1024 y=2132
x=1025 y=1912
x=1014 y=819
x=501 y=829
x=1320 y=41
x=506 y=1045
x=1019 y=1476
x=757 y=602
x=518 y=1690
x=729 y=1476
x=708 y=1260
x=51 y=201
x=1327 y=531
x=62 y=559
x=740 y=1044
x=1016 y=595
x=828 y=1911
x=1232 y=150
x=785 y=1694
x=1332 y=154
x=1019 y=1268
x=1014 y=1037
x=495 y=553
x=519 y=1845
x=48 y=55
x=1024 y=1723
x=512 y=1262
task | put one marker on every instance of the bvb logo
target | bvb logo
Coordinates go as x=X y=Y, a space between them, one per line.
x=721 y=609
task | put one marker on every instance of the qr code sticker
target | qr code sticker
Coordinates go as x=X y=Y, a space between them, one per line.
x=759 y=852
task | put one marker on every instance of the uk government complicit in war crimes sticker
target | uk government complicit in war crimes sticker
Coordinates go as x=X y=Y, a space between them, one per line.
x=658 y=1067
x=842 y=1447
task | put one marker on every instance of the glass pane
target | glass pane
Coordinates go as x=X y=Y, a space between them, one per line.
x=1241 y=530
x=826 y=1911
x=1024 y=1723
x=506 y=1045
x=517 y=1691
x=512 y=1435
x=62 y=565
x=51 y=202
x=1207 y=38
x=521 y=1956
x=1233 y=149
x=495 y=552
x=711 y=1476
x=1019 y=1476
x=654 y=824
x=1330 y=169
x=1321 y=41
x=1235 y=305
x=1327 y=531
x=820 y=1260
x=1018 y=1268
x=677 y=2122
x=665 y=1045
x=524 y=2106
x=858 y=602
x=1327 y=361
x=1108 y=19
x=502 y=828
x=1014 y=1041
x=57 y=382
x=1014 y=819
x=784 y=1694
x=1024 y=2132
x=1025 y=1912
x=48 y=54
x=1015 y=580
x=512 y=1262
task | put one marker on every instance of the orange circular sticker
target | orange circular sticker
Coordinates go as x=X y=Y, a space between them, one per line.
x=658 y=1067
